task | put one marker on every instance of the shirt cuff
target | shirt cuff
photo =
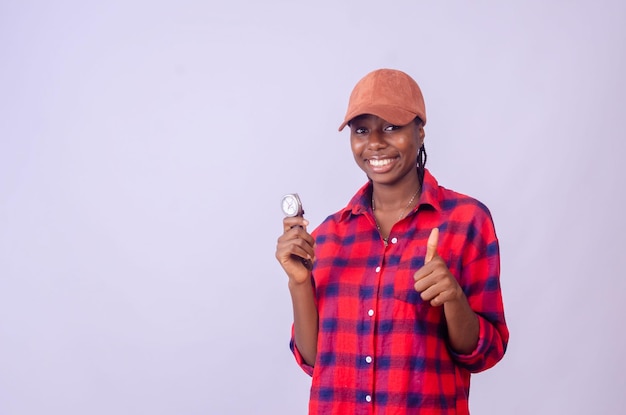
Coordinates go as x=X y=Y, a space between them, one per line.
x=474 y=361
x=308 y=369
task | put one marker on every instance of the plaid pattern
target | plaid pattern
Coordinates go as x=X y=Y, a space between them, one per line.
x=381 y=349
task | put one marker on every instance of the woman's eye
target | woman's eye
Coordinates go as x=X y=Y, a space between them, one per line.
x=360 y=130
x=391 y=128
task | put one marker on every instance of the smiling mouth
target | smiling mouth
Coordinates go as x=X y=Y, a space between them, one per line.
x=380 y=162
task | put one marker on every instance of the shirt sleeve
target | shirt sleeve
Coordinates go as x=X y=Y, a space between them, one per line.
x=489 y=350
x=480 y=281
x=308 y=369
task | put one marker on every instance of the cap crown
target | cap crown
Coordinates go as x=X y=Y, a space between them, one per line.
x=389 y=94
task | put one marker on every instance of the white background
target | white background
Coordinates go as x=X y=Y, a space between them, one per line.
x=145 y=146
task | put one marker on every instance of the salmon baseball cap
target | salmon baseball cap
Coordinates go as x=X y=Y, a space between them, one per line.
x=389 y=94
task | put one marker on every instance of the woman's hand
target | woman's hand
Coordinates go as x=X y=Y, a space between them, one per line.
x=434 y=281
x=294 y=246
x=436 y=284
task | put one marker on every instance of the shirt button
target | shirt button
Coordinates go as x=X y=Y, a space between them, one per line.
x=394 y=240
x=377 y=269
x=370 y=313
x=368 y=359
x=368 y=398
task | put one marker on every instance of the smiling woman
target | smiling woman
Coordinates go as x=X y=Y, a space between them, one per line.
x=144 y=148
x=403 y=300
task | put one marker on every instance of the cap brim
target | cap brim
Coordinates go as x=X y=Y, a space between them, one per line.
x=391 y=114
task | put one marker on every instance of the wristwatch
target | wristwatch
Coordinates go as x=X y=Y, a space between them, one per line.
x=292 y=206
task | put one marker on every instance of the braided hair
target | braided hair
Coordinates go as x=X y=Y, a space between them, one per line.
x=421 y=157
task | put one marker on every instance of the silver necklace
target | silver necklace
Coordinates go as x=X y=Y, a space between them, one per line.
x=386 y=240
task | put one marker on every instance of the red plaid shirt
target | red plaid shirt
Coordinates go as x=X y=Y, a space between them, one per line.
x=381 y=349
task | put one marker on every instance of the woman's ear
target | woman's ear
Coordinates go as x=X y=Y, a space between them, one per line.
x=421 y=133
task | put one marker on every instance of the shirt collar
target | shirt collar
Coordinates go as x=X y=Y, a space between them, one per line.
x=361 y=202
x=430 y=191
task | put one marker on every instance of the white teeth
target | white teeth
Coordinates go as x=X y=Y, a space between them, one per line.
x=379 y=163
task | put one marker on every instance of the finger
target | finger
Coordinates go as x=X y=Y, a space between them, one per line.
x=295 y=233
x=431 y=245
x=419 y=284
x=290 y=222
x=298 y=247
x=437 y=301
x=428 y=293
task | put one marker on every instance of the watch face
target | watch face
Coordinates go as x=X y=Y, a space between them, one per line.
x=291 y=205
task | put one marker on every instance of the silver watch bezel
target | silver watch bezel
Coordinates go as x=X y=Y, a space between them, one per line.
x=296 y=198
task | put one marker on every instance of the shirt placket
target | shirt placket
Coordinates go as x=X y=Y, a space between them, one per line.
x=372 y=315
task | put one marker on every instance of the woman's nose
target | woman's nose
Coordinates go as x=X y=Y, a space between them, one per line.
x=376 y=140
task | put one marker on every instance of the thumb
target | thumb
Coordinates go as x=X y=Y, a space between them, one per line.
x=431 y=245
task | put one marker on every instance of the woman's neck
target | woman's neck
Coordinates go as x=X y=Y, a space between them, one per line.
x=394 y=197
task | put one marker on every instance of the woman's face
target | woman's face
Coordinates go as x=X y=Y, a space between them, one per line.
x=387 y=153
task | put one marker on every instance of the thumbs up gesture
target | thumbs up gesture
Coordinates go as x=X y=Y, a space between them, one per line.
x=434 y=281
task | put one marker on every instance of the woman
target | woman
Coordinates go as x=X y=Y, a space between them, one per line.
x=403 y=301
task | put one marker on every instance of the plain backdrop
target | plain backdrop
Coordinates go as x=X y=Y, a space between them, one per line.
x=145 y=147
